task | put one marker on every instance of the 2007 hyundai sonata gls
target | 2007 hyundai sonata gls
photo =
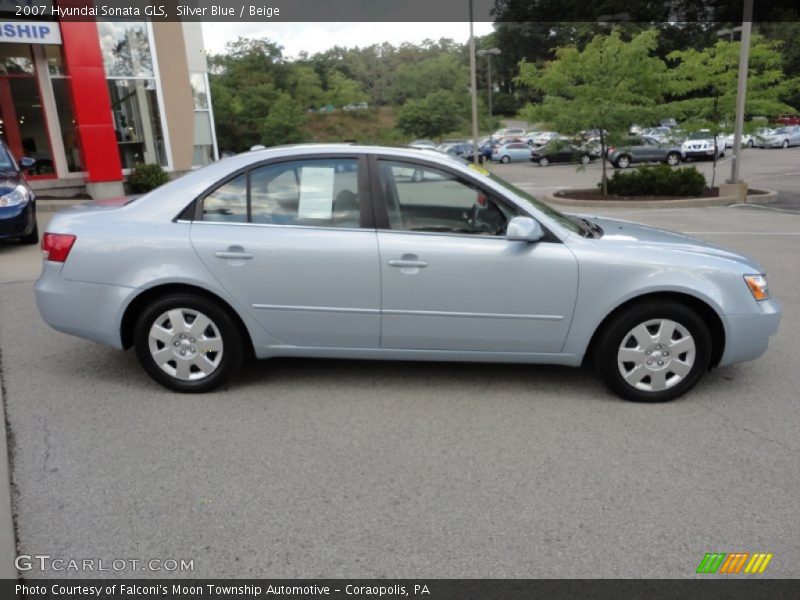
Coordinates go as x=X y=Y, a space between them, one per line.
x=367 y=252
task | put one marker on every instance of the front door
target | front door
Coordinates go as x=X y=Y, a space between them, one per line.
x=285 y=240
x=450 y=279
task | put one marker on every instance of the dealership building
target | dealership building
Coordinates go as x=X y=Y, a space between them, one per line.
x=90 y=99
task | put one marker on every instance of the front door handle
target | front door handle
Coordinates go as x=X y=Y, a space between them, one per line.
x=408 y=264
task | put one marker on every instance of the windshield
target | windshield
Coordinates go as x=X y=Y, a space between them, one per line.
x=782 y=130
x=6 y=162
x=700 y=135
x=563 y=220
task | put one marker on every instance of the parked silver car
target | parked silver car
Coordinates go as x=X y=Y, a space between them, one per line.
x=383 y=253
x=642 y=150
x=782 y=137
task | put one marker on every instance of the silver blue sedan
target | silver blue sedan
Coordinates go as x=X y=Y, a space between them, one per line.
x=381 y=253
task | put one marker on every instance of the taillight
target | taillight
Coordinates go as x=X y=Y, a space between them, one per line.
x=611 y=149
x=56 y=246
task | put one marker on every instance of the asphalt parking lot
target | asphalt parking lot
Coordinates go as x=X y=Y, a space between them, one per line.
x=306 y=468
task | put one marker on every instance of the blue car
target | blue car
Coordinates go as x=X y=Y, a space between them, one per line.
x=514 y=151
x=17 y=200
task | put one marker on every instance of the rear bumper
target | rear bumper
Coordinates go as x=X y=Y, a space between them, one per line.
x=87 y=310
x=748 y=335
x=16 y=221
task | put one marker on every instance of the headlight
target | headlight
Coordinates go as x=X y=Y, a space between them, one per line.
x=17 y=197
x=758 y=286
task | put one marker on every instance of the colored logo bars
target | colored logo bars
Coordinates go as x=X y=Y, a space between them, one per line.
x=734 y=562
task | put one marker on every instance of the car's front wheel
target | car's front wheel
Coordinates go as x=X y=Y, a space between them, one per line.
x=623 y=162
x=586 y=159
x=544 y=161
x=505 y=160
x=785 y=144
x=188 y=343
x=33 y=236
x=654 y=351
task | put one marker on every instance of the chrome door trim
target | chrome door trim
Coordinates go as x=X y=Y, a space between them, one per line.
x=326 y=309
x=473 y=315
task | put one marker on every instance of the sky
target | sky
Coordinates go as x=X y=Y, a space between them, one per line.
x=318 y=37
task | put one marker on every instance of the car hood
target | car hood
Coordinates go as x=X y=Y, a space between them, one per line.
x=8 y=181
x=626 y=231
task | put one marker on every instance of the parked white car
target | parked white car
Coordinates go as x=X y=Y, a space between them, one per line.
x=509 y=132
x=748 y=139
x=700 y=144
x=545 y=138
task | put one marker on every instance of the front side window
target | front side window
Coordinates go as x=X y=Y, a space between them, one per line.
x=315 y=192
x=430 y=200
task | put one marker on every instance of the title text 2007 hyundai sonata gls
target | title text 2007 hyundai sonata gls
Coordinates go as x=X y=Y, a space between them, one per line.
x=366 y=252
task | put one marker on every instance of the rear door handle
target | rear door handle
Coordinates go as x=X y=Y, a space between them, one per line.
x=408 y=264
x=234 y=254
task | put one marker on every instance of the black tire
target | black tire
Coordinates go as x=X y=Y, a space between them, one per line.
x=586 y=159
x=231 y=337
x=673 y=159
x=544 y=161
x=505 y=160
x=33 y=236
x=616 y=331
x=750 y=143
x=785 y=144
x=623 y=162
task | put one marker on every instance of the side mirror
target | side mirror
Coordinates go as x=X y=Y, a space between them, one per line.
x=26 y=162
x=524 y=229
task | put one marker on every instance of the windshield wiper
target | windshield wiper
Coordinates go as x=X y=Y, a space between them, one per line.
x=593 y=229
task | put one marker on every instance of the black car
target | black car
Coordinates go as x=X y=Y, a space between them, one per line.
x=17 y=200
x=561 y=152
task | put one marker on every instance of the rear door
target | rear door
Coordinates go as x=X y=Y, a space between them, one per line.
x=450 y=279
x=294 y=243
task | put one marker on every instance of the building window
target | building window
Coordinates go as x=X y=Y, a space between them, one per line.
x=59 y=81
x=137 y=122
x=128 y=61
x=203 y=136
x=126 y=49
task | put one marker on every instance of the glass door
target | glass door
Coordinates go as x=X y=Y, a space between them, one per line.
x=23 y=126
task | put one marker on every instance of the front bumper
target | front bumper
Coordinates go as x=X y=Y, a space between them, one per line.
x=87 y=310
x=17 y=221
x=698 y=153
x=747 y=336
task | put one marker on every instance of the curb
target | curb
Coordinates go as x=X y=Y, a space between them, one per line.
x=8 y=538
x=770 y=196
x=50 y=205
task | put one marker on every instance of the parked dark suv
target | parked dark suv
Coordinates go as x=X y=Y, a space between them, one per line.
x=642 y=150
x=17 y=200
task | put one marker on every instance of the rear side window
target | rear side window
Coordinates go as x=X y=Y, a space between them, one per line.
x=316 y=192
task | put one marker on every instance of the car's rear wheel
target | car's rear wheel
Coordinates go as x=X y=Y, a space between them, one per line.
x=586 y=159
x=188 y=343
x=673 y=159
x=750 y=143
x=654 y=351
x=544 y=161
x=785 y=144
x=33 y=236
x=623 y=162
x=505 y=160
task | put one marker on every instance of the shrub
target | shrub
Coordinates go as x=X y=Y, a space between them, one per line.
x=146 y=177
x=660 y=180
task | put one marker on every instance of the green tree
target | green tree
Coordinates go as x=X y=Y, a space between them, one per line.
x=703 y=83
x=306 y=86
x=282 y=124
x=433 y=116
x=343 y=90
x=417 y=80
x=608 y=85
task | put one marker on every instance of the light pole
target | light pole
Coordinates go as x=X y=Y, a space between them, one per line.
x=488 y=54
x=741 y=92
x=474 y=84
